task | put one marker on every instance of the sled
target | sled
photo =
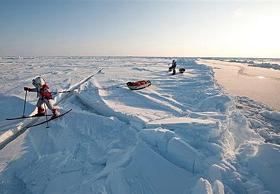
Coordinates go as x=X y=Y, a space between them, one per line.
x=182 y=70
x=138 y=85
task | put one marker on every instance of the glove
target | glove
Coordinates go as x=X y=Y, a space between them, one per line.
x=27 y=89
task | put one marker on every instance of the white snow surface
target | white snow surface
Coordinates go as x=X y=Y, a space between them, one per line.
x=181 y=135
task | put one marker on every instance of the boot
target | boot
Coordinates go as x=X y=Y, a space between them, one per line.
x=55 y=113
x=40 y=112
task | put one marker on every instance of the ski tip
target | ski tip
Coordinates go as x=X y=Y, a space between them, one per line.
x=99 y=71
x=10 y=119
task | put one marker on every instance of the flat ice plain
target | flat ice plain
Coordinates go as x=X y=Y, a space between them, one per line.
x=240 y=79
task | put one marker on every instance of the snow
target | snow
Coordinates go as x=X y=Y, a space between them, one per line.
x=183 y=134
x=272 y=115
x=202 y=186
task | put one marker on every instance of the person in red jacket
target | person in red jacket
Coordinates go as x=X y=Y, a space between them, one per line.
x=45 y=96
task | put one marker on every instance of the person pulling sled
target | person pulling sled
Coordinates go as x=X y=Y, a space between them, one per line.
x=44 y=95
x=173 y=67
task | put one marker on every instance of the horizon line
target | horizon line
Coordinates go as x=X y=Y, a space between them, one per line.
x=141 y=56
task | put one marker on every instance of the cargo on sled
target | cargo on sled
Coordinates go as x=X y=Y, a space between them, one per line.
x=138 y=84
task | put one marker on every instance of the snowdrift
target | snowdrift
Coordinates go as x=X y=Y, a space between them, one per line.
x=11 y=134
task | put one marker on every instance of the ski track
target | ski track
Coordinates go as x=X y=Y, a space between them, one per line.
x=194 y=138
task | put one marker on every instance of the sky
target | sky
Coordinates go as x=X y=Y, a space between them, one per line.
x=186 y=28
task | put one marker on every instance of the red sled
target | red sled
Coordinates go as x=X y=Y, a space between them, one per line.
x=138 y=85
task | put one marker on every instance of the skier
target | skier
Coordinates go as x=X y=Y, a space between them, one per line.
x=45 y=97
x=173 y=66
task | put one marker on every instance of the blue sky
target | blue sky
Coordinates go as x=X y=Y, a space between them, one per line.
x=243 y=28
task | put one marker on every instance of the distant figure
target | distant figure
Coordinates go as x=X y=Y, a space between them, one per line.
x=173 y=67
x=45 y=96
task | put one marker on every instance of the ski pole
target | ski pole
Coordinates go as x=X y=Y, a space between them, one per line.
x=46 y=115
x=24 y=104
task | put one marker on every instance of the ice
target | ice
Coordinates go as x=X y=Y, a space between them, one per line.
x=265 y=163
x=218 y=187
x=241 y=79
x=202 y=187
x=183 y=134
x=264 y=63
x=271 y=115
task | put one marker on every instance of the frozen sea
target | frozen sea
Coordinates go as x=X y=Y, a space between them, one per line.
x=184 y=134
x=259 y=81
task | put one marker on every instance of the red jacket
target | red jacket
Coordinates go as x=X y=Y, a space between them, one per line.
x=45 y=92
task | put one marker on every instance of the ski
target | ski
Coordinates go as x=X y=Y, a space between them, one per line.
x=26 y=117
x=53 y=118
x=61 y=92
